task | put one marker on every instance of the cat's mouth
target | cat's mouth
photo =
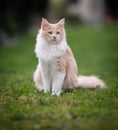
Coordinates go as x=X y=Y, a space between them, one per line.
x=54 y=39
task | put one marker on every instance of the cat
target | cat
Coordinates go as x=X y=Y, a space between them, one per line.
x=57 y=68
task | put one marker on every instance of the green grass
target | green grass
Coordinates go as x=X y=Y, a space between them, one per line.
x=22 y=107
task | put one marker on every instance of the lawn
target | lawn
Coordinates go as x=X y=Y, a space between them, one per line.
x=22 y=107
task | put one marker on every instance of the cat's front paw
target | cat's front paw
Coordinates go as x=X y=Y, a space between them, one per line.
x=46 y=90
x=40 y=88
x=53 y=94
x=56 y=93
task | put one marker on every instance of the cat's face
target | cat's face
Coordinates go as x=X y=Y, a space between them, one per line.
x=52 y=33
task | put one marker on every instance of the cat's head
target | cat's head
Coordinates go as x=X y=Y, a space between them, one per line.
x=52 y=33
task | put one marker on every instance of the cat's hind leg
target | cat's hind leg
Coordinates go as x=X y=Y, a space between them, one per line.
x=38 y=79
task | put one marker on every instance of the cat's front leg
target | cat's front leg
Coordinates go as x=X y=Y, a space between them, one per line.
x=46 y=83
x=57 y=83
x=47 y=87
x=45 y=71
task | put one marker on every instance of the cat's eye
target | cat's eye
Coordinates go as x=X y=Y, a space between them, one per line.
x=50 y=32
x=58 y=32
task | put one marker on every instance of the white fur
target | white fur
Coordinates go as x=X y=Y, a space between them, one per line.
x=90 y=82
x=37 y=80
x=57 y=84
x=48 y=51
x=47 y=54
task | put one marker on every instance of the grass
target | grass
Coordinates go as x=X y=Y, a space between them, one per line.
x=22 y=107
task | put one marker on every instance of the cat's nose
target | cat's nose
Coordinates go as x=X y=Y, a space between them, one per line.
x=54 y=38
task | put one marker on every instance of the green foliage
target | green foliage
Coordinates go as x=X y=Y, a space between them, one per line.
x=22 y=107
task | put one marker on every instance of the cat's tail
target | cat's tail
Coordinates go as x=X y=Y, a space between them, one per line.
x=90 y=82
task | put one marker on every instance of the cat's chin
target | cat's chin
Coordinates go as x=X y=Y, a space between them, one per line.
x=53 y=42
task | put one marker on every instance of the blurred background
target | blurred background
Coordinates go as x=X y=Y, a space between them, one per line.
x=20 y=16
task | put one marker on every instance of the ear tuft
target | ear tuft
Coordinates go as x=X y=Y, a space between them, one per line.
x=44 y=23
x=61 y=22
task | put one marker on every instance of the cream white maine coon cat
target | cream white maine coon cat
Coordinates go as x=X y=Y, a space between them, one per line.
x=57 y=68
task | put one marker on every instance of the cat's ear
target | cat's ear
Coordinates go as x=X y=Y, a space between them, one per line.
x=44 y=23
x=61 y=22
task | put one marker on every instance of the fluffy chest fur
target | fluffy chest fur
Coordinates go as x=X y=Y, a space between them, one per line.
x=48 y=52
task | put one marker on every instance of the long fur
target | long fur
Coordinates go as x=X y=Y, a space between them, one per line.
x=57 y=69
x=90 y=82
